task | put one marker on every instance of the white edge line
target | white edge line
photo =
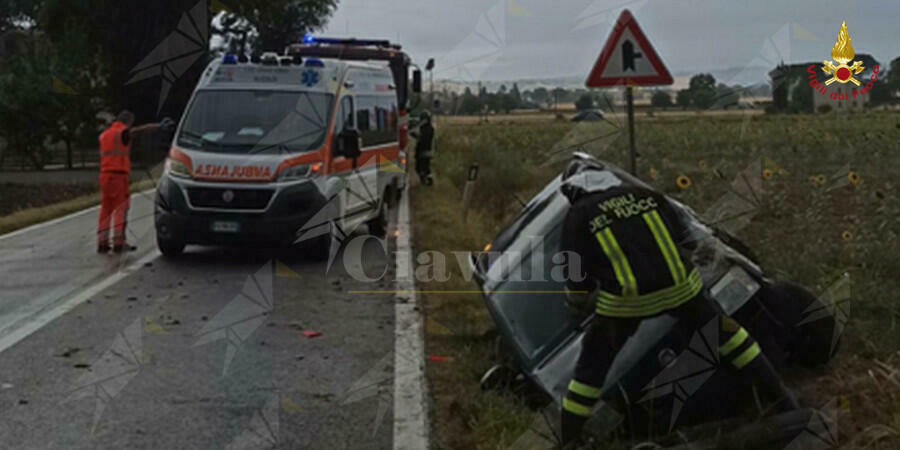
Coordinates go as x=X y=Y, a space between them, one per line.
x=410 y=410
x=57 y=220
x=39 y=321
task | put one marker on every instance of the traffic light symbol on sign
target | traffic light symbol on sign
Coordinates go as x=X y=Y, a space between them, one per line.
x=640 y=66
x=628 y=56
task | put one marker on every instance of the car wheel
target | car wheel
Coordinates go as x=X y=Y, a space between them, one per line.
x=813 y=328
x=169 y=248
x=378 y=226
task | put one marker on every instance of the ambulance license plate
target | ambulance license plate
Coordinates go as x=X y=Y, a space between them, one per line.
x=222 y=226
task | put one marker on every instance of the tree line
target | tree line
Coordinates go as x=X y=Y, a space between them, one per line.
x=64 y=61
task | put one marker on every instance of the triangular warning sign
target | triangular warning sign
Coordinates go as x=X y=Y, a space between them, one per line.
x=628 y=58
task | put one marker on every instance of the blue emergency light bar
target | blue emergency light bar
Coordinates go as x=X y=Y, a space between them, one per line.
x=310 y=39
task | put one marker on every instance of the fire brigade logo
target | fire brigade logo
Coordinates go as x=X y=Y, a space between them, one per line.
x=843 y=53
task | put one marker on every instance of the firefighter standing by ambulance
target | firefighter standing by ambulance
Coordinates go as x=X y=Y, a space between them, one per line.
x=627 y=238
x=115 y=170
x=424 y=148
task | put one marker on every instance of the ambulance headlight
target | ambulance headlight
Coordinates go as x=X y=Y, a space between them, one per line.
x=177 y=168
x=300 y=172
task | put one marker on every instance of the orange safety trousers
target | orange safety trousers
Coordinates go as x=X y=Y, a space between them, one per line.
x=114 y=202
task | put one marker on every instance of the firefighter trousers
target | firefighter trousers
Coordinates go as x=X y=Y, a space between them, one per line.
x=607 y=335
x=114 y=202
x=423 y=165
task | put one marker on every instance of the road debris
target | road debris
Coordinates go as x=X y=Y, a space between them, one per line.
x=69 y=352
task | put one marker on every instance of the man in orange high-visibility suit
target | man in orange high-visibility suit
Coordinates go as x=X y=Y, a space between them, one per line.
x=115 y=167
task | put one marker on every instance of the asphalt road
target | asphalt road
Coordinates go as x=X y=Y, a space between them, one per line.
x=205 y=351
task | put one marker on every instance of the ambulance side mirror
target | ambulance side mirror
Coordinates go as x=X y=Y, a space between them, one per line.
x=349 y=143
x=417 y=81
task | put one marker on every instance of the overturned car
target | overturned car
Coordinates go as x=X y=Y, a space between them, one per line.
x=666 y=377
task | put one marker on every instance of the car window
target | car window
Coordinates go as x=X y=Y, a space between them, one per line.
x=534 y=208
x=533 y=305
x=540 y=218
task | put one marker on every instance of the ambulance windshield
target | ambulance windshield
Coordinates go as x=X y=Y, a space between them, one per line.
x=256 y=121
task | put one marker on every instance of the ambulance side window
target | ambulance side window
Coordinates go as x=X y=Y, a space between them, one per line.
x=365 y=119
x=376 y=119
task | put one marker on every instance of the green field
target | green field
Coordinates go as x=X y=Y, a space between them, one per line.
x=826 y=203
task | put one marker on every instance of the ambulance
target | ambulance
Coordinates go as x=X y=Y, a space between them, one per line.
x=292 y=148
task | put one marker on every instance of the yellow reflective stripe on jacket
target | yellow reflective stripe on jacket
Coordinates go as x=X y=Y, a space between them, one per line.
x=584 y=390
x=609 y=304
x=693 y=282
x=734 y=342
x=619 y=262
x=666 y=246
x=575 y=407
x=746 y=357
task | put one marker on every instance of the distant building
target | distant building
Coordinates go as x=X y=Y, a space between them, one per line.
x=791 y=91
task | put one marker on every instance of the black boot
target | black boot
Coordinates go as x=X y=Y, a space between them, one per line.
x=570 y=430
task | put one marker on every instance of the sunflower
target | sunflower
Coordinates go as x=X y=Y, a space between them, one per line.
x=702 y=164
x=854 y=178
x=817 y=180
x=846 y=236
x=654 y=174
x=683 y=182
x=767 y=174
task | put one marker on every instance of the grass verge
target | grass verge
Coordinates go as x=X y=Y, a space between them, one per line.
x=28 y=217
x=826 y=204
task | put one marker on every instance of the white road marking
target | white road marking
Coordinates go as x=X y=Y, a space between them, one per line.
x=410 y=411
x=39 y=320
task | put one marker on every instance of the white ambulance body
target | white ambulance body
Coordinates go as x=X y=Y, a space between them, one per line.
x=287 y=149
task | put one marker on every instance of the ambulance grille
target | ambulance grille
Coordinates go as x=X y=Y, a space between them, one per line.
x=237 y=199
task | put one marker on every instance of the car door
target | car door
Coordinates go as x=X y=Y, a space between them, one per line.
x=352 y=195
x=372 y=124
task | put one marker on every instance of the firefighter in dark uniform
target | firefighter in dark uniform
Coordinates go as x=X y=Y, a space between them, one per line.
x=424 y=148
x=627 y=237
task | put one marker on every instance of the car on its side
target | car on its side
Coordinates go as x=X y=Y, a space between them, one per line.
x=666 y=376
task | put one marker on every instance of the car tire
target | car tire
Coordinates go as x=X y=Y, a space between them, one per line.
x=379 y=225
x=170 y=248
x=812 y=327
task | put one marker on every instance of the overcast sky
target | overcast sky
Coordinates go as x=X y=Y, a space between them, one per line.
x=528 y=39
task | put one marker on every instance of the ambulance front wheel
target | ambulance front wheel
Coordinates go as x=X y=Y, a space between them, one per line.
x=168 y=247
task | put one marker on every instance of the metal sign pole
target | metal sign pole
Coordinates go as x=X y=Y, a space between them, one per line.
x=468 y=189
x=629 y=100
